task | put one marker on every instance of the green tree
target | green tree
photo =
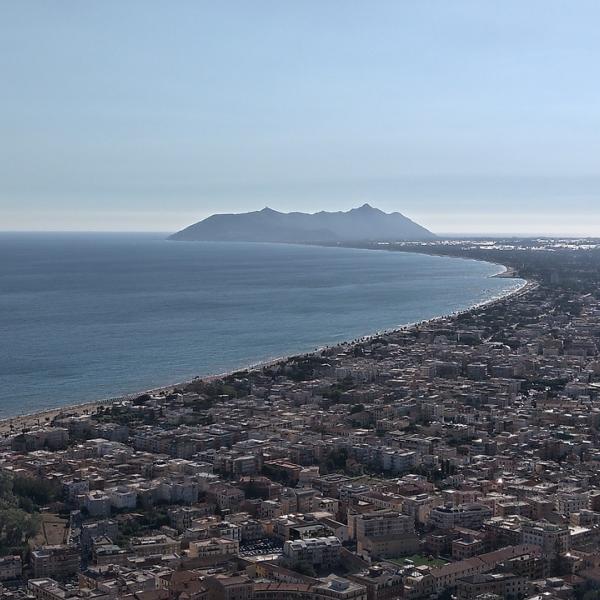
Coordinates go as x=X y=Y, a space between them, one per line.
x=16 y=525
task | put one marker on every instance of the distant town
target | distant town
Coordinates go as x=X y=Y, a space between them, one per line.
x=455 y=458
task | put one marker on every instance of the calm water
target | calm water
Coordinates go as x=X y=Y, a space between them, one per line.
x=89 y=316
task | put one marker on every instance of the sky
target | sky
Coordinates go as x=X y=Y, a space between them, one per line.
x=467 y=116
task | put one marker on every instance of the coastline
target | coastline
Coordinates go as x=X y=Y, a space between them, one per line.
x=17 y=423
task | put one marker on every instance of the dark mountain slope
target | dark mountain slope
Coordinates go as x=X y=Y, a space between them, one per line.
x=359 y=224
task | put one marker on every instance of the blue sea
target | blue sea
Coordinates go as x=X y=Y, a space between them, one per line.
x=90 y=316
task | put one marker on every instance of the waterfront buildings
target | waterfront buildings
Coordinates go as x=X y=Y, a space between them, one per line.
x=460 y=456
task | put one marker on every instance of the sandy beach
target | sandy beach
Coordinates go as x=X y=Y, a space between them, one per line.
x=18 y=423
x=39 y=418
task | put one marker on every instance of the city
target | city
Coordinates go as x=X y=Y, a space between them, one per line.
x=455 y=458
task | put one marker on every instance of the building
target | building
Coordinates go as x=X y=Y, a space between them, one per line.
x=11 y=567
x=567 y=503
x=182 y=584
x=156 y=544
x=46 y=589
x=470 y=516
x=90 y=531
x=382 y=583
x=339 y=588
x=97 y=503
x=225 y=587
x=447 y=577
x=214 y=549
x=58 y=561
x=466 y=547
x=122 y=497
x=551 y=538
x=319 y=553
x=385 y=534
x=505 y=585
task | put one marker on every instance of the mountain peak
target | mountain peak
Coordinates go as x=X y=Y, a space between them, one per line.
x=367 y=208
x=361 y=224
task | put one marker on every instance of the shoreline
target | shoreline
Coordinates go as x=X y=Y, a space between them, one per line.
x=19 y=422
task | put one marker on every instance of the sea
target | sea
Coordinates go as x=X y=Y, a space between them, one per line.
x=85 y=317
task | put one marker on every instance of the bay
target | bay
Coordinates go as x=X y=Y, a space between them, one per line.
x=91 y=316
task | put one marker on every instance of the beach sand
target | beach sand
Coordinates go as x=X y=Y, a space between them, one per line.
x=17 y=423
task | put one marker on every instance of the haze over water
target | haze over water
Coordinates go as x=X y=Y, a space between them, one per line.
x=90 y=316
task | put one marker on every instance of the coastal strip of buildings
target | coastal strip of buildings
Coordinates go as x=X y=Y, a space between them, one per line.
x=455 y=459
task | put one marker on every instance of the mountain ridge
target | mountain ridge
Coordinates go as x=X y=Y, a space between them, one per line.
x=364 y=223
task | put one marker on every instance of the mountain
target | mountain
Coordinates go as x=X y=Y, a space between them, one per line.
x=267 y=225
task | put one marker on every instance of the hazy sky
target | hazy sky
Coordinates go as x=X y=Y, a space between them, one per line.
x=464 y=115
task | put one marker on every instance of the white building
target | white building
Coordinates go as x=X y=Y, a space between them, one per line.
x=471 y=516
x=122 y=497
x=549 y=537
x=567 y=503
x=318 y=552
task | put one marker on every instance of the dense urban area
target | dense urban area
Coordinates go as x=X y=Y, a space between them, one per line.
x=457 y=458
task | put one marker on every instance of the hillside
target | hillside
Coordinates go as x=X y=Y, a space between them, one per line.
x=267 y=225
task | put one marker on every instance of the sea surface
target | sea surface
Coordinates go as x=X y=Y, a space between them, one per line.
x=91 y=316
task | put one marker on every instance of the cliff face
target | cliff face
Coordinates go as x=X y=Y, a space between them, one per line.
x=359 y=224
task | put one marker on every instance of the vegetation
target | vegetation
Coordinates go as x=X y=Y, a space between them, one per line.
x=213 y=390
x=32 y=494
x=19 y=511
x=254 y=491
x=588 y=591
x=123 y=416
x=301 y=370
x=141 y=523
x=305 y=569
x=335 y=392
x=336 y=460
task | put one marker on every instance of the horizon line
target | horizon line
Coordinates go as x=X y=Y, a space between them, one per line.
x=441 y=236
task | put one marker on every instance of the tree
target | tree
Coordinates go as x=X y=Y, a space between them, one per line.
x=305 y=569
x=16 y=527
x=16 y=524
x=336 y=459
x=39 y=491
